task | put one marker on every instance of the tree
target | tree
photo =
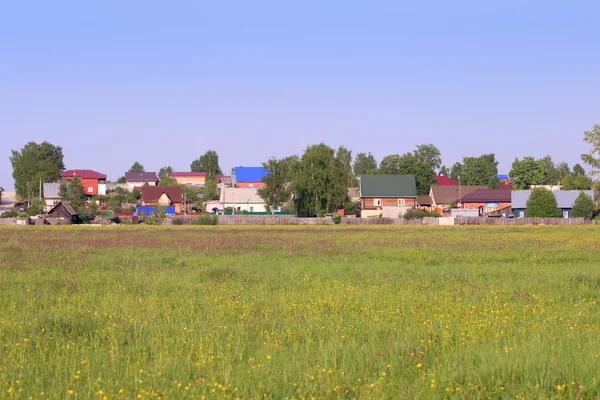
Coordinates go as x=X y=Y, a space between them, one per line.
x=407 y=164
x=576 y=182
x=364 y=164
x=554 y=172
x=527 y=172
x=137 y=167
x=455 y=170
x=211 y=190
x=444 y=171
x=317 y=186
x=276 y=191
x=578 y=170
x=1 y=190
x=208 y=162
x=584 y=206
x=494 y=183
x=74 y=193
x=428 y=154
x=593 y=157
x=542 y=203
x=122 y=180
x=35 y=162
x=344 y=157
x=478 y=170
x=168 y=181
x=164 y=171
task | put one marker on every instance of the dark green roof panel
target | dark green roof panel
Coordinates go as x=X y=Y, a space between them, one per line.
x=388 y=186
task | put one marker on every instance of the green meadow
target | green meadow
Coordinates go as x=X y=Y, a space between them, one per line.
x=299 y=312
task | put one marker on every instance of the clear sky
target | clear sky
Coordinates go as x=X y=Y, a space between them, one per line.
x=162 y=82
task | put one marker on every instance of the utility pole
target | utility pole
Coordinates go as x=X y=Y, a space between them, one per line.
x=28 y=195
x=40 y=189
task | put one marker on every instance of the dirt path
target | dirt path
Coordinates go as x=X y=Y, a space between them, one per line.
x=8 y=200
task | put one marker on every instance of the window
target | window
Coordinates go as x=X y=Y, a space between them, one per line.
x=251 y=209
x=376 y=202
x=250 y=185
x=521 y=214
x=565 y=214
x=400 y=202
x=90 y=189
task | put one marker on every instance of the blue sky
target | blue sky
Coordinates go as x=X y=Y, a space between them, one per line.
x=162 y=82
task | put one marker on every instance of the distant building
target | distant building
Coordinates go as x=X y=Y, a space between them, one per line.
x=242 y=199
x=51 y=195
x=387 y=195
x=442 y=197
x=443 y=180
x=64 y=210
x=166 y=196
x=564 y=198
x=93 y=182
x=487 y=200
x=250 y=176
x=138 y=179
x=189 y=178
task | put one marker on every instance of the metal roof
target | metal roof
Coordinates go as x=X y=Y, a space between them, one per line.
x=388 y=186
x=564 y=198
x=488 y=195
x=51 y=190
x=176 y=174
x=83 y=174
x=448 y=194
x=141 y=176
x=151 y=194
x=250 y=174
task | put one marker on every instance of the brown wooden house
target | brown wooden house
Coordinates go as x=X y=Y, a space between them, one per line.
x=64 y=210
x=378 y=192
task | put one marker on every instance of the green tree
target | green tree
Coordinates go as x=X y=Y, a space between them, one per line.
x=430 y=155
x=137 y=167
x=494 y=183
x=344 y=157
x=593 y=157
x=74 y=194
x=444 y=171
x=168 y=181
x=208 y=162
x=527 y=172
x=364 y=164
x=164 y=171
x=407 y=164
x=578 y=170
x=478 y=170
x=211 y=190
x=122 y=180
x=576 y=182
x=36 y=207
x=542 y=203
x=455 y=170
x=584 y=206
x=276 y=191
x=554 y=172
x=317 y=185
x=35 y=162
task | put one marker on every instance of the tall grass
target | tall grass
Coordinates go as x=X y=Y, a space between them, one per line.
x=299 y=312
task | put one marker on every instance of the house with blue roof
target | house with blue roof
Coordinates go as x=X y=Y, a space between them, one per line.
x=250 y=176
x=564 y=198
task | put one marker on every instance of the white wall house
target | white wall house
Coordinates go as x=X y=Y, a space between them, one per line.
x=242 y=199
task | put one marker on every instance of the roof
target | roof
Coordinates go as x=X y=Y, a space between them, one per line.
x=68 y=207
x=388 y=186
x=488 y=195
x=177 y=174
x=83 y=174
x=503 y=177
x=250 y=174
x=448 y=194
x=240 y=195
x=141 y=176
x=226 y=180
x=444 y=180
x=564 y=198
x=51 y=190
x=151 y=194
x=423 y=200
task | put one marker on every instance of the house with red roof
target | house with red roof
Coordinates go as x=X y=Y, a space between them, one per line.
x=93 y=182
x=487 y=200
x=165 y=196
x=443 y=180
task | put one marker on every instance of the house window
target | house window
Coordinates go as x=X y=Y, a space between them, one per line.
x=521 y=214
x=90 y=189
x=251 y=209
x=250 y=185
x=400 y=202
x=565 y=214
x=376 y=202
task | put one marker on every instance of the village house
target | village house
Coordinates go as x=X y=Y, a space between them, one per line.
x=443 y=180
x=487 y=200
x=64 y=210
x=564 y=198
x=243 y=199
x=93 y=182
x=387 y=195
x=51 y=195
x=189 y=178
x=138 y=179
x=443 y=197
x=162 y=196
x=250 y=177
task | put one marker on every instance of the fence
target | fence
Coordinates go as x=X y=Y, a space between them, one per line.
x=521 y=221
x=14 y=221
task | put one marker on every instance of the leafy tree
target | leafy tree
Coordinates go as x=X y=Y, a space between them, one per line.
x=407 y=164
x=455 y=170
x=208 y=162
x=211 y=191
x=542 y=203
x=428 y=154
x=554 y=172
x=164 y=172
x=168 y=181
x=122 y=180
x=35 y=208
x=364 y=164
x=344 y=157
x=593 y=157
x=494 y=183
x=527 y=172
x=578 y=170
x=74 y=193
x=478 y=170
x=317 y=185
x=137 y=167
x=35 y=162
x=276 y=191
x=576 y=182
x=444 y=171
x=584 y=206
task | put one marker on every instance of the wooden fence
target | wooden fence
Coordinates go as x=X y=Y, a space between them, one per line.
x=520 y=221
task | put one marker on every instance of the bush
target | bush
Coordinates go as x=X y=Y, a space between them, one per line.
x=584 y=206
x=86 y=216
x=542 y=203
x=351 y=207
x=206 y=220
x=415 y=213
x=337 y=219
x=12 y=213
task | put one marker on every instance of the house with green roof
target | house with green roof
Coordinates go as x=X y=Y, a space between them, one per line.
x=387 y=194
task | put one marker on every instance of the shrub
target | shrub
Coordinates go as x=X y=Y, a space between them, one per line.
x=415 y=213
x=206 y=220
x=12 y=213
x=337 y=219
x=351 y=207
x=584 y=206
x=542 y=203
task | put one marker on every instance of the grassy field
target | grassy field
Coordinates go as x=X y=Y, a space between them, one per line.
x=299 y=312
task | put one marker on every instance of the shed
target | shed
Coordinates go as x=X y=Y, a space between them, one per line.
x=64 y=210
